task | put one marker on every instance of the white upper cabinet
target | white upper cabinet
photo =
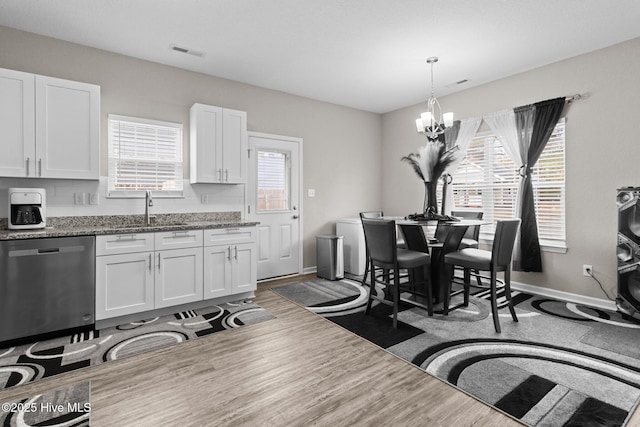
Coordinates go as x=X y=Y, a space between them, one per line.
x=17 y=121
x=53 y=127
x=218 y=145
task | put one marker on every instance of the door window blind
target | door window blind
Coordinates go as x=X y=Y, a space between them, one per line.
x=488 y=180
x=144 y=155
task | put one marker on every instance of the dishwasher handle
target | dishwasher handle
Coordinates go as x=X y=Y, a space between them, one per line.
x=48 y=250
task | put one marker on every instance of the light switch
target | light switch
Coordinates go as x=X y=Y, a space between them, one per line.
x=311 y=192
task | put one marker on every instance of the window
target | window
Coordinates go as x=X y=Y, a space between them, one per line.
x=144 y=155
x=488 y=180
x=273 y=181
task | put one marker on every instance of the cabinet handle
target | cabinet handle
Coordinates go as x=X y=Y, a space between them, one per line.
x=28 y=160
x=229 y=256
x=40 y=167
x=233 y=230
x=226 y=172
x=150 y=262
x=158 y=261
x=181 y=233
x=126 y=237
x=236 y=252
x=220 y=174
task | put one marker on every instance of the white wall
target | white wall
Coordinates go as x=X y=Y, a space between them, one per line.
x=602 y=154
x=342 y=146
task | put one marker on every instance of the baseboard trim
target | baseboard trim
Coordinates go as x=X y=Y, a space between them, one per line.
x=309 y=270
x=565 y=296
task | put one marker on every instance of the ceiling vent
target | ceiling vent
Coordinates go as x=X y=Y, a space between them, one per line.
x=186 y=50
x=459 y=82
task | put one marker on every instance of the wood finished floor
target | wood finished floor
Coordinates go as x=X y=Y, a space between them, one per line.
x=299 y=369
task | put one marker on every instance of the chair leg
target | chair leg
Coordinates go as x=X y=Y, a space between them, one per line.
x=396 y=298
x=366 y=270
x=507 y=291
x=427 y=281
x=478 y=279
x=467 y=286
x=371 y=288
x=448 y=277
x=494 y=302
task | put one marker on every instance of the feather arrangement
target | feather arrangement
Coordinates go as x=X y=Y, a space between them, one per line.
x=431 y=160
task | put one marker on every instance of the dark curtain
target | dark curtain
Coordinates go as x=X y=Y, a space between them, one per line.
x=546 y=116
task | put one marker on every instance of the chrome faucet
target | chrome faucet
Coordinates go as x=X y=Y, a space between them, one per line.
x=148 y=202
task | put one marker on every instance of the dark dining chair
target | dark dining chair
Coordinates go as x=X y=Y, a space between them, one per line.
x=471 y=237
x=367 y=265
x=498 y=259
x=381 y=238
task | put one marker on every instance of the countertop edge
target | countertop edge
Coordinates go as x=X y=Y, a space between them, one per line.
x=106 y=230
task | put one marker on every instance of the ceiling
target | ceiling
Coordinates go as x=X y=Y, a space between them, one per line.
x=365 y=54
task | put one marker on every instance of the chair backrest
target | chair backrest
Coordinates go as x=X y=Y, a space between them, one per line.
x=380 y=238
x=503 y=242
x=473 y=232
x=371 y=214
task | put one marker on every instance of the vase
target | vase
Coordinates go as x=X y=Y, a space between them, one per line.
x=430 y=199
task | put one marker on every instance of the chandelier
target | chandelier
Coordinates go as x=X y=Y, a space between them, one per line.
x=432 y=122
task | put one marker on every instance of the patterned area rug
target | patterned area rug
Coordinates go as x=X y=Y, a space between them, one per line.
x=68 y=406
x=31 y=362
x=562 y=364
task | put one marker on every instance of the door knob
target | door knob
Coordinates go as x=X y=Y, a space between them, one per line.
x=295 y=217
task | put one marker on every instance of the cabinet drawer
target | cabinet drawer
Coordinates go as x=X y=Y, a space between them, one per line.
x=124 y=243
x=178 y=239
x=229 y=236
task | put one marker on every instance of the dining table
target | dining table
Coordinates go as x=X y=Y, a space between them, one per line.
x=449 y=236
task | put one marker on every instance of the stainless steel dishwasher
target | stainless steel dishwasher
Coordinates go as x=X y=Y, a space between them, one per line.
x=46 y=285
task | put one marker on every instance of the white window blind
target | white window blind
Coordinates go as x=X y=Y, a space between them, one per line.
x=144 y=155
x=273 y=181
x=488 y=180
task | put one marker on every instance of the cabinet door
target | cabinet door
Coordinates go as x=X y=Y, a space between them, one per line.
x=178 y=277
x=205 y=144
x=244 y=268
x=217 y=271
x=124 y=284
x=67 y=129
x=17 y=122
x=235 y=143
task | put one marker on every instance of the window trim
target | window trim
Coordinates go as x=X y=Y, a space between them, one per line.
x=137 y=194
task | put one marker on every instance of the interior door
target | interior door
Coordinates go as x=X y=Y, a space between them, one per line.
x=274 y=201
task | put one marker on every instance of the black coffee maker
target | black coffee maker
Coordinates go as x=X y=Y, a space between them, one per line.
x=27 y=208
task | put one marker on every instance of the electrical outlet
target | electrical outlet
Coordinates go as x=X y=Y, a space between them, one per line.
x=78 y=198
x=587 y=270
x=94 y=199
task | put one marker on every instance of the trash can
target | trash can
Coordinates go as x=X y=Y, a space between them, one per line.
x=329 y=256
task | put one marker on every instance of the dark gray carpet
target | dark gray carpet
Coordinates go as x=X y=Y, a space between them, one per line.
x=31 y=362
x=68 y=406
x=562 y=364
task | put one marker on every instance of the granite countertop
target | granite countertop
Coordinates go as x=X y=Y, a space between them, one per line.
x=122 y=224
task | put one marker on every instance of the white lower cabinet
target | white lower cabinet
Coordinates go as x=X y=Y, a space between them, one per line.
x=178 y=277
x=145 y=271
x=135 y=273
x=230 y=264
x=124 y=284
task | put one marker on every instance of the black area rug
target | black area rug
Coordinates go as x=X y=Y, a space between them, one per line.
x=562 y=364
x=31 y=362
x=68 y=406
